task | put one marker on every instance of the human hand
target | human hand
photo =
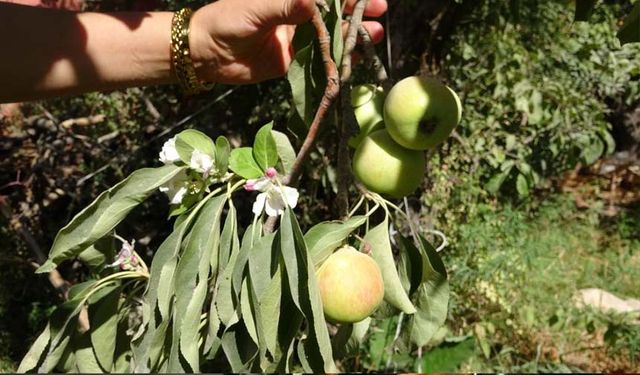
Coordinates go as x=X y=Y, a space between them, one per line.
x=247 y=41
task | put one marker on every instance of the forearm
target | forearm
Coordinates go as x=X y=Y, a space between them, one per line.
x=49 y=53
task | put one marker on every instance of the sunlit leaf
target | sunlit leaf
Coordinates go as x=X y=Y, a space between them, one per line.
x=323 y=238
x=191 y=139
x=265 y=151
x=101 y=216
x=378 y=239
x=242 y=163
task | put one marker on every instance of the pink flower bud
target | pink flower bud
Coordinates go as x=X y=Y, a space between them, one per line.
x=250 y=185
x=271 y=172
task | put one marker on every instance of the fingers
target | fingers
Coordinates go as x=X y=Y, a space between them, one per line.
x=374 y=28
x=283 y=12
x=375 y=8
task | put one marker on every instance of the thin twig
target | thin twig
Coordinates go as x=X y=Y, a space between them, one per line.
x=350 y=40
x=372 y=56
x=348 y=120
x=330 y=94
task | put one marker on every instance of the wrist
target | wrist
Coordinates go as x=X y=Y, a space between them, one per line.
x=204 y=53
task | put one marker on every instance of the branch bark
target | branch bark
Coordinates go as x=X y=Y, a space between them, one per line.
x=348 y=120
x=330 y=94
x=372 y=56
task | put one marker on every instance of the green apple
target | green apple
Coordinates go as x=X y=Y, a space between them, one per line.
x=385 y=167
x=367 y=102
x=351 y=286
x=421 y=112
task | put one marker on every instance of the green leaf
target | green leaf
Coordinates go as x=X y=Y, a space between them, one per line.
x=242 y=163
x=260 y=263
x=238 y=348
x=35 y=354
x=269 y=302
x=630 y=30
x=323 y=238
x=228 y=238
x=318 y=346
x=522 y=186
x=86 y=360
x=347 y=340
x=411 y=260
x=592 y=151
x=584 y=8
x=103 y=315
x=191 y=287
x=394 y=293
x=189 y=140
x=285 y=150
x=497 y=180
x=100 y=253
x=251 y=236
x=432 y=297
x=223 y=149
x=300 y=79
x=247 y=312
x=103 y=214
x=334 y=24
x=265 y=151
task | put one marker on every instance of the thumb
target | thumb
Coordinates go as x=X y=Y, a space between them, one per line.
x=283 y=12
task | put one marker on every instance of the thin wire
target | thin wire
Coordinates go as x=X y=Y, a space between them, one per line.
x=160 y=135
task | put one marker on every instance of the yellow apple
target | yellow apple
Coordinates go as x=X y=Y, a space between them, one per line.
x=351 y=286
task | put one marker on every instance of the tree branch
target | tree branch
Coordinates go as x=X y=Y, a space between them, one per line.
x=372 y=56
x=348 y=122
x=330 y=94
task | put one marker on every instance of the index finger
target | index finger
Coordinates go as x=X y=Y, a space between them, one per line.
x=375 y=8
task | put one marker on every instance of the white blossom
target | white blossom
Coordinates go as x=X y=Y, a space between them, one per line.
x=176 y=188
x=169 y=155
x=201 y=162
x=274 y=196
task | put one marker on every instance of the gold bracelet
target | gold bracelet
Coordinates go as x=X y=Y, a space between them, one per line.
x=181 y=54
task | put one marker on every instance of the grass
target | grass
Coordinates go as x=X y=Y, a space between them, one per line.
x=514 y=272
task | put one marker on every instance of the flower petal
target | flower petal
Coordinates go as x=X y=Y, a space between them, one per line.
x=200 y=161
x=258 y=205
x=262 y=184
x=291 y=196
x=169 y=154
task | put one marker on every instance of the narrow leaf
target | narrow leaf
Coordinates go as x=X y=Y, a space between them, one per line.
x=323 y=238
x=630 y=30
x=223 y=149
x=191 y=289
x=264 y=148
x=286 y=153
x=432 y=297
x=103 y=214
x=394 y=293
x=35 y=354
x=103 y=315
